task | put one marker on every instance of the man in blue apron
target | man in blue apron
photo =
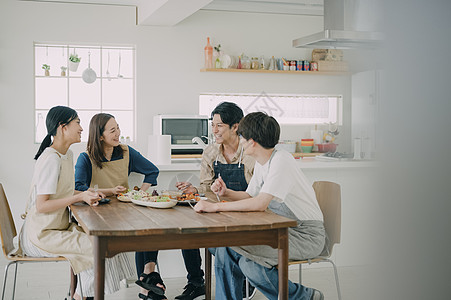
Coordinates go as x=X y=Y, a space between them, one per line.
x=226 y=159
x=279 y=185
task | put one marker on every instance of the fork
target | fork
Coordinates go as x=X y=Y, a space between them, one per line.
x=191 y=205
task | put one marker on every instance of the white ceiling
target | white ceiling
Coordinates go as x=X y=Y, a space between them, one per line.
x=171 y=12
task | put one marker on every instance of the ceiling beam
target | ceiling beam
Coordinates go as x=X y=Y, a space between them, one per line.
x=167 y=12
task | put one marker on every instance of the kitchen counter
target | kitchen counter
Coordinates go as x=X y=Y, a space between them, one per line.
x=304 y=163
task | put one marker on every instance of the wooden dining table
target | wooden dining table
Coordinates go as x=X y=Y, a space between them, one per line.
x=121 y=227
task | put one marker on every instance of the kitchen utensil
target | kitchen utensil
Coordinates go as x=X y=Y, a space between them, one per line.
x=89 y=75
x=119 y=68
x=108 y=68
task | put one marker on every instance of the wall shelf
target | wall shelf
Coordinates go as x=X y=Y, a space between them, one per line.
x=276 y=71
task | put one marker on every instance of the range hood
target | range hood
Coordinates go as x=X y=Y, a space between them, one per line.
x=347 y=24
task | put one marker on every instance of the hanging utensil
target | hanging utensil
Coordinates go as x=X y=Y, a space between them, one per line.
x=119 y=68
x=89 y=75
x=108 y=68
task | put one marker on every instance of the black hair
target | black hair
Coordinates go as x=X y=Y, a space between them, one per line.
x=229 y=112
x=58 y=115
x=260 y=127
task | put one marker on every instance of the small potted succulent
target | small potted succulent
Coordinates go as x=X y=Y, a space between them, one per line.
x=63 y=70
x=74 y=61
x=46 y=69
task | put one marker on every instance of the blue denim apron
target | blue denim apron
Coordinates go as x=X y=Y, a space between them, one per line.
x=232 y=174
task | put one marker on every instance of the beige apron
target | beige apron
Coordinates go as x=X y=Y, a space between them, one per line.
x=113 y=173
x=53 y=233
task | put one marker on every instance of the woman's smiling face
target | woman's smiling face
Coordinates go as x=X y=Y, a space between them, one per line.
x=111 y=133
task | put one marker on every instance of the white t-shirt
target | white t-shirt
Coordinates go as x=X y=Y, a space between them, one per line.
x=281 y=177
x=47 y=171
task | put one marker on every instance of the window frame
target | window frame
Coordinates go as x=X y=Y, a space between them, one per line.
x=100 y=76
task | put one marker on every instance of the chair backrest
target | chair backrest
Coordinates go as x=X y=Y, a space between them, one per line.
x=328 y=195
x=7 y=227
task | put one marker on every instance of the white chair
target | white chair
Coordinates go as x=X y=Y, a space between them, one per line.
x=7 y=233
x=328 y=195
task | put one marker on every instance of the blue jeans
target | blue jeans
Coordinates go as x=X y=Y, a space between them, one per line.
x=193 y=263
x=231 y=268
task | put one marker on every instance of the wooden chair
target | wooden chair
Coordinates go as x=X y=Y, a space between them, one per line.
x=328 y=195
x=7 y=233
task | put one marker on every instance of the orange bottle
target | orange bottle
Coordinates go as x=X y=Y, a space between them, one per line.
x=208 y=55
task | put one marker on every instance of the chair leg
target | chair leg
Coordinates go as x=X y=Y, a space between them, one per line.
x=81 y=286
x=300 y=273
x=5 y=278
x=15 y=279
x=73 y=283
x=336 y=278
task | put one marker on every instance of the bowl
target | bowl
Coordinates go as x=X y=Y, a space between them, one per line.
x=306 y=149
x=327 y=147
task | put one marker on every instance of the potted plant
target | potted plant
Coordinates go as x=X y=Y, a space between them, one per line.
x=74 y=61
x=63 y=70
x=216 y=56
x=46 y=69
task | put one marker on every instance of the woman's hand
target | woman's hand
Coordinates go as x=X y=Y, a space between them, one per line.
x=219 y=187
x=118 y=189
x=186 y=187
x=91 y=198
x=205 y=206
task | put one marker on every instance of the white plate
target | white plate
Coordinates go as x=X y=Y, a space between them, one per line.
x=123 y=198
x=167 y=204
x=226 y=61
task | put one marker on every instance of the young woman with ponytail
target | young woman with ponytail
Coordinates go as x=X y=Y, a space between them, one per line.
x=47 y=231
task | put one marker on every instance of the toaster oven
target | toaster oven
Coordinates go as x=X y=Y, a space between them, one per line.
x=182 y=129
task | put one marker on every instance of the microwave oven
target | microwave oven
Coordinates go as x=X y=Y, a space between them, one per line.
x=182 y=129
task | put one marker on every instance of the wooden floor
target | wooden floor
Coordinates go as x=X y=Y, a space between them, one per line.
x=51 y=281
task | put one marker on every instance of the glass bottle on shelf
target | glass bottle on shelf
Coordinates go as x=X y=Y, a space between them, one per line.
x=262 y=63
x=208 y=55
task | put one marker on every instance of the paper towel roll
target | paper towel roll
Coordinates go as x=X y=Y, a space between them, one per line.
x=317 y=136
x=159 y=149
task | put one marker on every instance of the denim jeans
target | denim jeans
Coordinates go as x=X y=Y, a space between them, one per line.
x=231 y=268
x=193 y=263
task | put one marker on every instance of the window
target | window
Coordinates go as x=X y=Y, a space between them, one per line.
x=112 y=91
x=286 y=109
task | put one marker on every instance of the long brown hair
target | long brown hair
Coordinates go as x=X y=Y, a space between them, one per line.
x=94 y=147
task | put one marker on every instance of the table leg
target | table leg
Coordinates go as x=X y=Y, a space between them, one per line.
x=283 y=263
x=207 y=274
x=99 y=267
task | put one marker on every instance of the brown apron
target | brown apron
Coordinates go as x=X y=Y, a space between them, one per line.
x=112 y=174
x=52 y=232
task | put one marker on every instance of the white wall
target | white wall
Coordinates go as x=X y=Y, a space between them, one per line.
x=168 y=64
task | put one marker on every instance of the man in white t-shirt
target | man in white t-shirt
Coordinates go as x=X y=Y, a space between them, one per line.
x=279 y=185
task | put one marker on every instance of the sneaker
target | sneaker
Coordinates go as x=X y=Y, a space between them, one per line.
x=192 y=292
x=317 y=295
x=252 y=290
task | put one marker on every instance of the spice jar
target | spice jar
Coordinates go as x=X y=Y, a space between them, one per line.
x=254 y=63
x=245 y=62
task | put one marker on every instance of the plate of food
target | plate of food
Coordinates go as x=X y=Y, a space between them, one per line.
x=155 y=202
x=123 y=198
x=189 y=198
x=133 y=195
